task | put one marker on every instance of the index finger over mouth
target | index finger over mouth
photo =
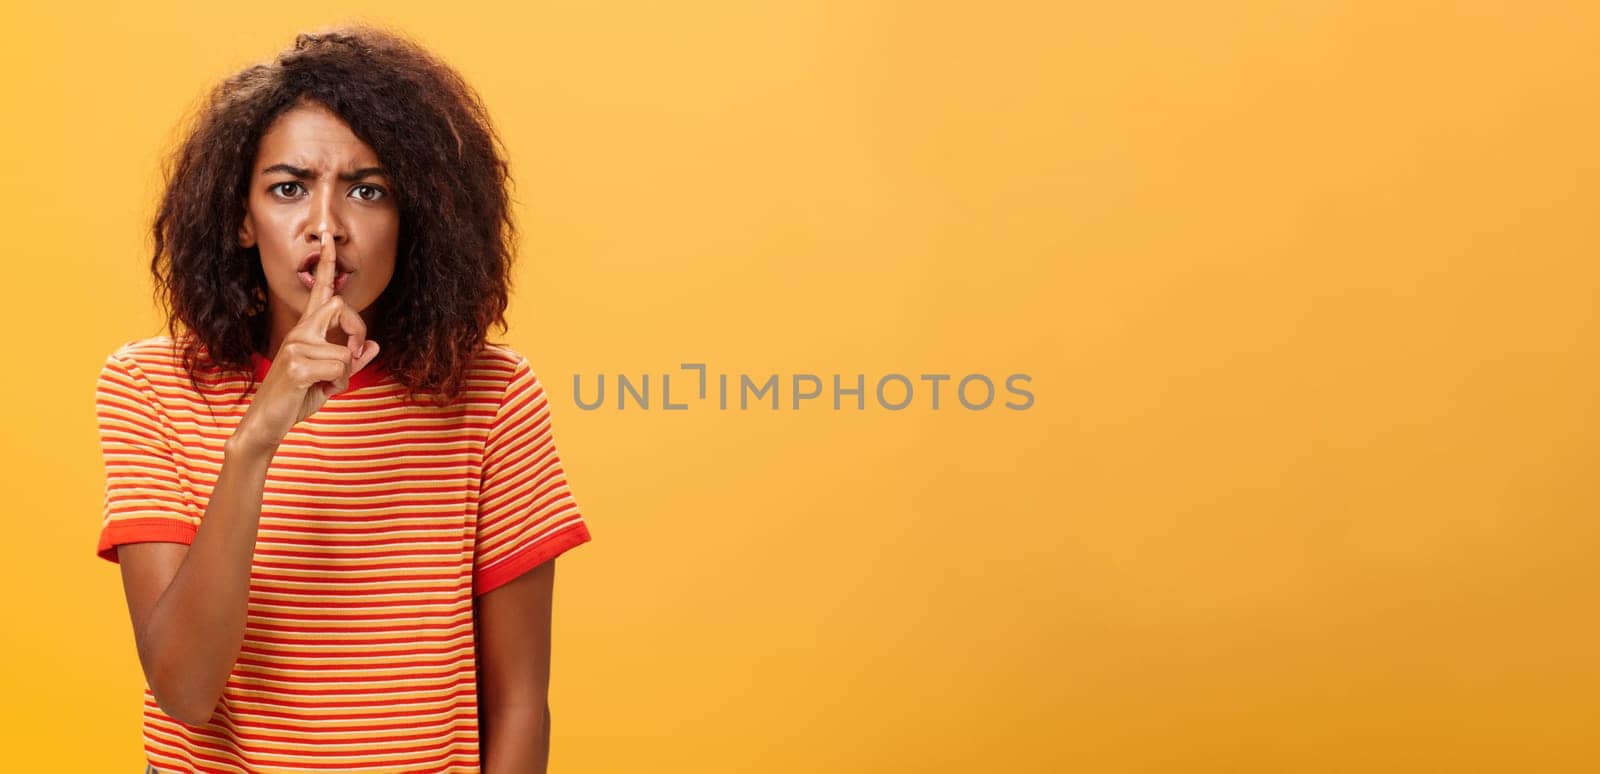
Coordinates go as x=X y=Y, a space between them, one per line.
x=326 y=271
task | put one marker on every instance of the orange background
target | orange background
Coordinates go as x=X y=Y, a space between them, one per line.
x=1307 y=292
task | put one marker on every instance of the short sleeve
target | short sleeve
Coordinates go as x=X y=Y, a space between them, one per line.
x=144 y=499
x=526 y=513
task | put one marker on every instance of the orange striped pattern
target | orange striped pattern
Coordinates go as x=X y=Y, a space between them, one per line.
x=380 y=521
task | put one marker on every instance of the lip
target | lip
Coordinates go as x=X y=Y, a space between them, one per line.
x=308 y=264
x=310 y=281
x=308 y=271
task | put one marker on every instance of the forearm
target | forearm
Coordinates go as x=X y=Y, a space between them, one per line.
x=518 y=740
x=196 y=628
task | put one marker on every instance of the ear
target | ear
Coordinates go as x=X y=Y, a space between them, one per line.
x=247 y=231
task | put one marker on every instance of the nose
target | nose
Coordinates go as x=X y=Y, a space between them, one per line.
x=325 y=216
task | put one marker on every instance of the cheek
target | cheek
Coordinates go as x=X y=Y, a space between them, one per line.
x=388 y=227
x=386 y=241
x=270 y=231
x=375 y=227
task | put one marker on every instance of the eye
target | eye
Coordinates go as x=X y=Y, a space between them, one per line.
x=376 y=192
x=276 y=186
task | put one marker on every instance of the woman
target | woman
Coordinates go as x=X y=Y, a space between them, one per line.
x=335 y=504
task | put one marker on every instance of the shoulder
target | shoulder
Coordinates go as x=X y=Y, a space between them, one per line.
x=139 y=358
x=498 y=358
x=506 y=374
x=503 y=366
x=154 y=348
x=130 y=375
x=156 y=366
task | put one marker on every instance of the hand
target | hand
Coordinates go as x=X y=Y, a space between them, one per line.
x=308 y=368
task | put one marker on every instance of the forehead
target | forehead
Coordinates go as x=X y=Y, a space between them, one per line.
x=309 y=135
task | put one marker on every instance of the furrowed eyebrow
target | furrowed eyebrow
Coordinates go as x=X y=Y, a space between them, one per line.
x=306 y=174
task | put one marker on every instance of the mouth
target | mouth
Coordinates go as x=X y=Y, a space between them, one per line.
x=308 y=272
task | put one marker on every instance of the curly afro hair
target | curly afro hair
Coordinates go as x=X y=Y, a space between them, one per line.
x=432 y=133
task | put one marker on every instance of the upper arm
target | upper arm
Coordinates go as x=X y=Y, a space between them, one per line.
x=513 y=622
x=526 y=511
x=147 y=571
x=145 y=496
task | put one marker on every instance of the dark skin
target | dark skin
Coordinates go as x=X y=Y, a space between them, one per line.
x=315 y=185
x=313 y=175
x=513 y=624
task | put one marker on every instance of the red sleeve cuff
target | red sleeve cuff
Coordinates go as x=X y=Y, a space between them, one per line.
x=148 y=530
x=530 y=557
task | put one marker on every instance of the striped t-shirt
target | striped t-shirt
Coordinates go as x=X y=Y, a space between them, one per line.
x=381 y=519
